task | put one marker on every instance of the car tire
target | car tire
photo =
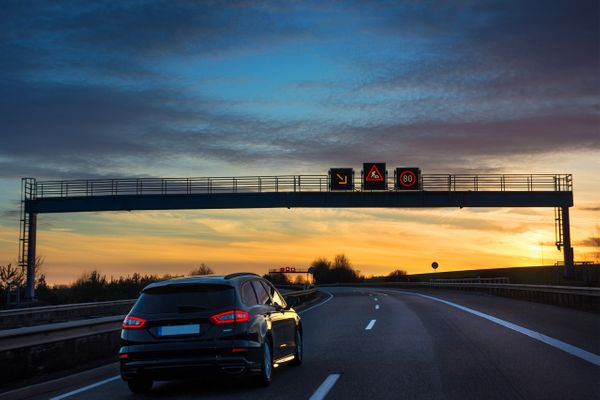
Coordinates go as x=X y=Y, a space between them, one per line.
x=140 y=385
x=265 y=376
x=299 y=353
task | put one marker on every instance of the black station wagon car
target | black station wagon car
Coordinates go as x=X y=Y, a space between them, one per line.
x=236 y=324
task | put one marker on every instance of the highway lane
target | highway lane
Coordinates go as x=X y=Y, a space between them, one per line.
x=415 y=348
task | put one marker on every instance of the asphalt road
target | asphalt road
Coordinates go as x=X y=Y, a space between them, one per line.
x=388 y=344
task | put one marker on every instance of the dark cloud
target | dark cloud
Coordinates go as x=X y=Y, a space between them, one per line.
x=590 y=242
x=119 y=38
x=83 y=94
x=494 y=57
x=9 y=214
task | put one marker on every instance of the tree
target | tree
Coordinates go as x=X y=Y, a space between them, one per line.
x=37 y=269
x=340 y=271
x=341 y=261
x=596 y=242
x=10 y=276
x=203 y=269
x=320 y=270
x=277 y=279
x=90 y=286
x=395 y=276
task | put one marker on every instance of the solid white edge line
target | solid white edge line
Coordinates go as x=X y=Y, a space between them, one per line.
x=317 y=305
x=114 y=378
x=85 y=388
x=325 y=387
x=558 y=344
x=370 y=325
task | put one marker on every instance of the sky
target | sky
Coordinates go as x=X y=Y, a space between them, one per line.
x=234 y=88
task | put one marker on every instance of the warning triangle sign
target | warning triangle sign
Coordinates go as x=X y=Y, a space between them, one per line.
x=374 y=175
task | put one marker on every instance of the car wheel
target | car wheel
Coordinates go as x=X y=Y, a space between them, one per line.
x=298 y=354
x=266 y=368
x=140 y=385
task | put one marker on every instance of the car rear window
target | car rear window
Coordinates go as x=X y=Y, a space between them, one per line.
x=184 y=298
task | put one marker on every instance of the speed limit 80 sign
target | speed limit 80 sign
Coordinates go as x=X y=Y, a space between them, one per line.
x=407 y=179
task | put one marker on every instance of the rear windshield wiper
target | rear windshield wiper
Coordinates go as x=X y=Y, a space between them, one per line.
x=190 y=308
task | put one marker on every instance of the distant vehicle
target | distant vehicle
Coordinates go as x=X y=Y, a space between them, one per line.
x=237 y=324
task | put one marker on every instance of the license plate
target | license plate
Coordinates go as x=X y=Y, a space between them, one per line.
x=178 y=330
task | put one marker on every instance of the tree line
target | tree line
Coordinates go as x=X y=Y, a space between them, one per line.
x=94 y=286
x=89 y=287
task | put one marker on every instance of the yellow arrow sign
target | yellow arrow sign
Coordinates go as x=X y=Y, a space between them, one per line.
x=343 y=179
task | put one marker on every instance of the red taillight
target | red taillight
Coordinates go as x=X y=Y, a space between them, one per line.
x=131 y=322
x=230 y=317
x=123 y=356
x=239 y=350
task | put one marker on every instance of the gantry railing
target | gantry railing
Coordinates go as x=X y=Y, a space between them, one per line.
x=287 y=183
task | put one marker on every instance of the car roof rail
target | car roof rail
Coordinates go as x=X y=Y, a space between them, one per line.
x=236 y=274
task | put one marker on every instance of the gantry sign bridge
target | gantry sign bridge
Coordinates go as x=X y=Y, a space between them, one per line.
x=324 y=191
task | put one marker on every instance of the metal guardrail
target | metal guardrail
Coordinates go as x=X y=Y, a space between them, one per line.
x=471 y=280
x=31 y=316
x=286 y=183
x=48 y=333
x=584 y=298
x=62 y=307
x=572 y=290
x=576 y=290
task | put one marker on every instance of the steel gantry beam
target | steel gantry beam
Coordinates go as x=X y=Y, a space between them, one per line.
x=290 y=191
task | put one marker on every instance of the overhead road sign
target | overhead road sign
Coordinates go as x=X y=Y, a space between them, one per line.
x=341 y=179
x=287 y=191
x=374 y=176
x=407 y=178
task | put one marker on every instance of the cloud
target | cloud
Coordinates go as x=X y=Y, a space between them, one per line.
x=9 y=214
x=109 y=89
x=590 y=242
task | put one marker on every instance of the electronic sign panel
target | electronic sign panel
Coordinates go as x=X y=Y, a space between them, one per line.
x=374 y=176
x=407 y=178
x=341 y=179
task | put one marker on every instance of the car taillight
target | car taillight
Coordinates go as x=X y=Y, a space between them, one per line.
x=131 y=322
x=230 y=317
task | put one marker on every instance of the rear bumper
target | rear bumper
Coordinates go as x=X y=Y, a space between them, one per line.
x=148 y=361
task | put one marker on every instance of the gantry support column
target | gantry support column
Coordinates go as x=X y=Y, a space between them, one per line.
x=30 y=284
x=567 y=249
